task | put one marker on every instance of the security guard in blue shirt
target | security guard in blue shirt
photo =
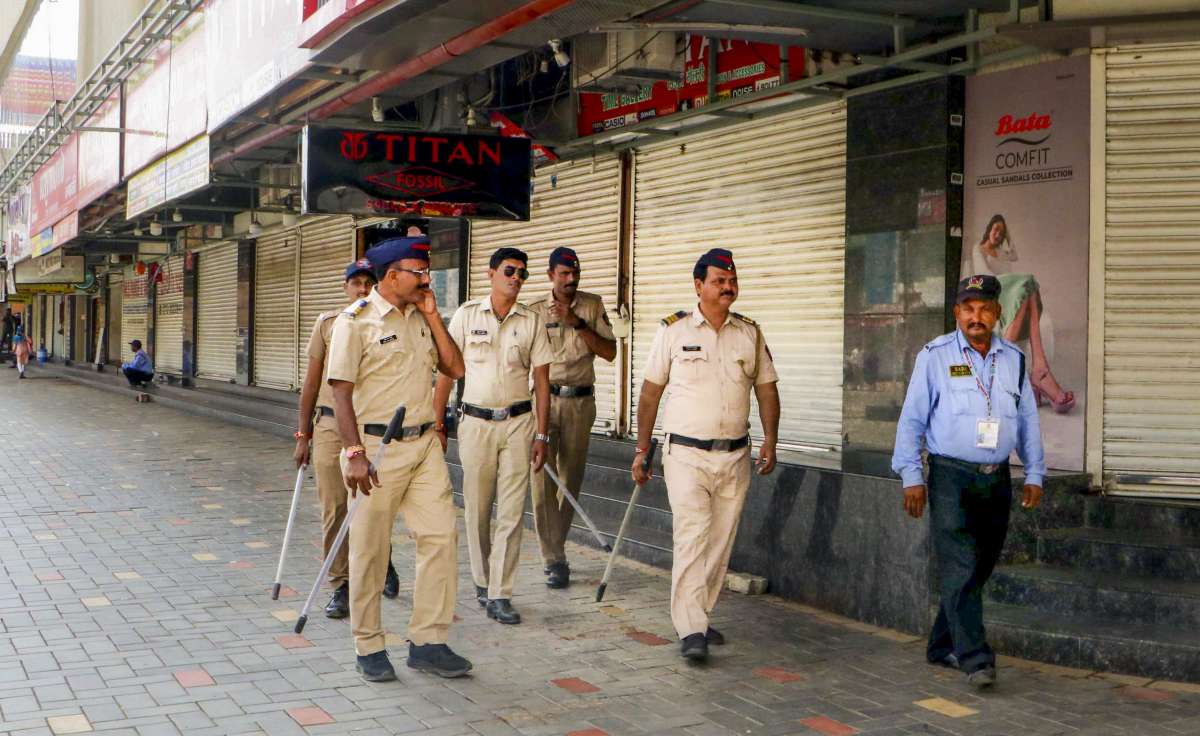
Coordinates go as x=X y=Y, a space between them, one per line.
x=969 y=403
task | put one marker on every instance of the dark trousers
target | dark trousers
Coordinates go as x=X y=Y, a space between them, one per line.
x=969 y=517
x=136 y=376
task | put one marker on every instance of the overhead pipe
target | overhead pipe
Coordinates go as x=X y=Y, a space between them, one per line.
x=463 y=43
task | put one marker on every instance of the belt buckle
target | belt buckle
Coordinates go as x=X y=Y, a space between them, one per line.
x=988 y=469
x=407 y=433
x=499 y=415
x=722 y=445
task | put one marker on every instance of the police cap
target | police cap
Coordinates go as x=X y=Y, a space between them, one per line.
x=561 y=256
x=982 y=286
x=387 y=252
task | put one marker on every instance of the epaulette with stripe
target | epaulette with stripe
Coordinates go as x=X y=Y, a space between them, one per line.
x=939 y=341
x=744 y=318
x=353 y=310
x=329 y=315
x=672 y=319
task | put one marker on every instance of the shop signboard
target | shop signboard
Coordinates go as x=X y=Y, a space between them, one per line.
x=65 y=230
x=172 y=176
x=100 y=152
x=1026 y=222
x=258 y=39
x=18 y=247
x=432 y=174
x=42 y=242
x=743 y=67
x=51 y=269
x=55 y=186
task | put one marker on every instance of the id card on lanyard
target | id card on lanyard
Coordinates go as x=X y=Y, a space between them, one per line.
x=987 y=429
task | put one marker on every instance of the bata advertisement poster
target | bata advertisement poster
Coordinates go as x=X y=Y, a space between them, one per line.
x=743 y=67
x=1026 y=222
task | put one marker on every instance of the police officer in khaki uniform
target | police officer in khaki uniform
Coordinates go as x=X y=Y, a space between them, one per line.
x=711 y=358
x=501 y=342
x=578 y=329
x=382 y=356
x=316 y=398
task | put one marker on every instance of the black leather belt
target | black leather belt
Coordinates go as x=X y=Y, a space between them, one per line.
x=324 y=411
x=570 y=392
x=406 y=433
x=710 y=445
x=497 y=415
x=980 y=468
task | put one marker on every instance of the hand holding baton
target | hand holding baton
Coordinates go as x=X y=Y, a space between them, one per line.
x=393 y=429
x=287 y=533
x=637 y=488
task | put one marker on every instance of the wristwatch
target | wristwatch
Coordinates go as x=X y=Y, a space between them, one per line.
x=542 y=437
x=354 y=451
x=582 y=324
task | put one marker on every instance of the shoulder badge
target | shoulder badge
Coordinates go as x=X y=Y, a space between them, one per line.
x=744 y=318
x=353 y=310
x=939 y=341
x=329 y=315
x=672 y=319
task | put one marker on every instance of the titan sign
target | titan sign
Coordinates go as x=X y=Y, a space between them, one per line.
x=432 y=174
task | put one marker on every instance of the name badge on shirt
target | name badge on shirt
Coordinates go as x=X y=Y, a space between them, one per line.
x=386 y=340
x=960 y=371
x=478 y=332
x=691 y=348
x=987 y=433
x=551 y=324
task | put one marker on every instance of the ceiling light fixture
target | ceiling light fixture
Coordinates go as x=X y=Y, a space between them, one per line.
x=560 y=56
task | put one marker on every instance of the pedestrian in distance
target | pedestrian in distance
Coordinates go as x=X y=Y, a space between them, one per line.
x=138 y=370
x=969 y=405
x=22 y=347
x=501 y=439
x=318 y=426
x=382 y=356
x=711 y=358
x=579 y=331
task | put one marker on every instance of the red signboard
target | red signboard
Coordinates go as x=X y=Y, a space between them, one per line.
x=322 y=21
x=743 y=67
x=100 y=153
x=55 y=187
x=165 y=100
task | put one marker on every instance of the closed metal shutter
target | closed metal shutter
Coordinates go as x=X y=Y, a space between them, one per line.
x=113 y=319
x=576 y=205
x=168 y=318
x=326 y=246
x=59 y=326
x=135 y=309
x=1152 y=270
x=217 y=313
x=275 y=309
x=774 y=193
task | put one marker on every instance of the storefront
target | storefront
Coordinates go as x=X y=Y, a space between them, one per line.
x=326 y=246
x=113 y=318
x=217 y=312
x=168 y=318
x=135 y=310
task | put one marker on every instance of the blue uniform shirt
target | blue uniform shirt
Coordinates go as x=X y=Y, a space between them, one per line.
x=944 y=403
x=140 y=362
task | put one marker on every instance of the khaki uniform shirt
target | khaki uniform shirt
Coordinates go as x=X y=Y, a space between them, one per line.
x=709 y=373
x=318 y=348
x=573 y=363
x=499 y=355
x=389 y=355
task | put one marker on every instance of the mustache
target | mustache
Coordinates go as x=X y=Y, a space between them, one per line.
x=976 y=324
x=726 y=293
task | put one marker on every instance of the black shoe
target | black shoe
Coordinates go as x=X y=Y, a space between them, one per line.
x=391 y=584
x=438 y=659
x=376 y=667
x=694 y=647
x=481 y=596
x=501 y=610
x=558 y=575
x=339 y=603
x=714 y=637
x=982 y=677
x=949 y=661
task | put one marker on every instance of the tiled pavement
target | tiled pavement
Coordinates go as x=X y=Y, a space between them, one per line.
x=139 y=544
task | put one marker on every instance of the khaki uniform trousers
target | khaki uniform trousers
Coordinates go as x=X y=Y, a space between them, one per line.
x=495 y=458
x=707 y=491
x=331 y=488
x=571 y=422
x=413 y=481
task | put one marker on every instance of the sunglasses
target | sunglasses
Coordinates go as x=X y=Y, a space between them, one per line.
x=522 y=273
x=415 y=272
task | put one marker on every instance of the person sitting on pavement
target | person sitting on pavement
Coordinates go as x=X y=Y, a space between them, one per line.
x=138 y=370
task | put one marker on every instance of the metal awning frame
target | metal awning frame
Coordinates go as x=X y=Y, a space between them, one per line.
x=801 y=93
x=157 y=21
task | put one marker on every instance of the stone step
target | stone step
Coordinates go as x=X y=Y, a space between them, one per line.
x=1065 y=591
x=1093 y=642
x=1140 y=552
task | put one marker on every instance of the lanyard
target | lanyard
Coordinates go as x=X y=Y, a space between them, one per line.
x=987 y=392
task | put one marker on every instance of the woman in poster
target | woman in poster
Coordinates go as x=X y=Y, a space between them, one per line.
x=1021 y=309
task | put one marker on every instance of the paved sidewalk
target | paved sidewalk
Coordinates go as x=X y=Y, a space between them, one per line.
x=138 y=548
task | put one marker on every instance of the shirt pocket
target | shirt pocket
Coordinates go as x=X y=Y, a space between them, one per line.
x=478 y=348
x=740 y=365
x=517 y=356
x=962 y=396
x=556 y=336
x=1004 y=400
x=690 y=364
